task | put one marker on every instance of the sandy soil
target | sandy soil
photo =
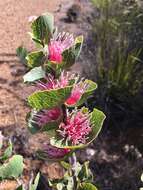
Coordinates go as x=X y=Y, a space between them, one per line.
x=14 y=15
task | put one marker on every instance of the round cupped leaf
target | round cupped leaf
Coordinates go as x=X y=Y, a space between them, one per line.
x=87 y=186
x=35 y=59
x=13 y=168
x=42 y=28
x=7 y=153
x=48 y=99
x=97 y=118
x=70 y=55
x=91 y=87
x=34 y=74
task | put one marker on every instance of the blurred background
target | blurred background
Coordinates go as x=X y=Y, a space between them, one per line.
x=112 y=56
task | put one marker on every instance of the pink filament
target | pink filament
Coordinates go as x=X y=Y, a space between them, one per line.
x=76 y=128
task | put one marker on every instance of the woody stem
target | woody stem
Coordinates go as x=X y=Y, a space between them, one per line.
x=73 y=161
x=64 y=113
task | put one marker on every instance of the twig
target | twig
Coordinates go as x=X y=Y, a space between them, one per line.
x=73 y=161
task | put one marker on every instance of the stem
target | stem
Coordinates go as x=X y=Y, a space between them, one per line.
x=53 y=73
x=64 y=113
x=73 y=161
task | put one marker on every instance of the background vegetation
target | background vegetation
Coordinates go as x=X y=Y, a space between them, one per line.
x=116 y=63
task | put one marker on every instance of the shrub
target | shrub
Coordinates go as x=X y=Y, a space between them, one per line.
x=56 y=104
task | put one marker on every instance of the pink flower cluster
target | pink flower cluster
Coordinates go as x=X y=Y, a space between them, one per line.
x=58 y=45
x=45 y=116
x=52 y=83
x=76 y=128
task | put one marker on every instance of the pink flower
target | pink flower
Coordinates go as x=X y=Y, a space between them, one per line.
x=52 y=83
x=77 y=127
x=77 y=92
x=58 y=45
x=54 y=152
x=45 y=116
x=78 y=88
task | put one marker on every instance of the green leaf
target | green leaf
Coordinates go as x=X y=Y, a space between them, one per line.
x=7 y=152
x=87 y=186
x=49 y=98
x=36 y=181
x=38 y=42
x=68 y=58
x=89 y=91
x=85 y=173
x=20 y=188
x=35 y=59
x=22 y=53
x=51 y=126
x=70 y=55
x=97 y=119
x=13 y=168
x=43 y=27
x=34 y=74
x=65 y=165
x=78 y=46
x=91 y=88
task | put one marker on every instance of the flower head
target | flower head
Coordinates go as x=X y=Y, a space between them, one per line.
x=58 y=45
x=43 y=117
x=52 y=83
x=54 y=152
x=76 y=128
x=78 y=90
